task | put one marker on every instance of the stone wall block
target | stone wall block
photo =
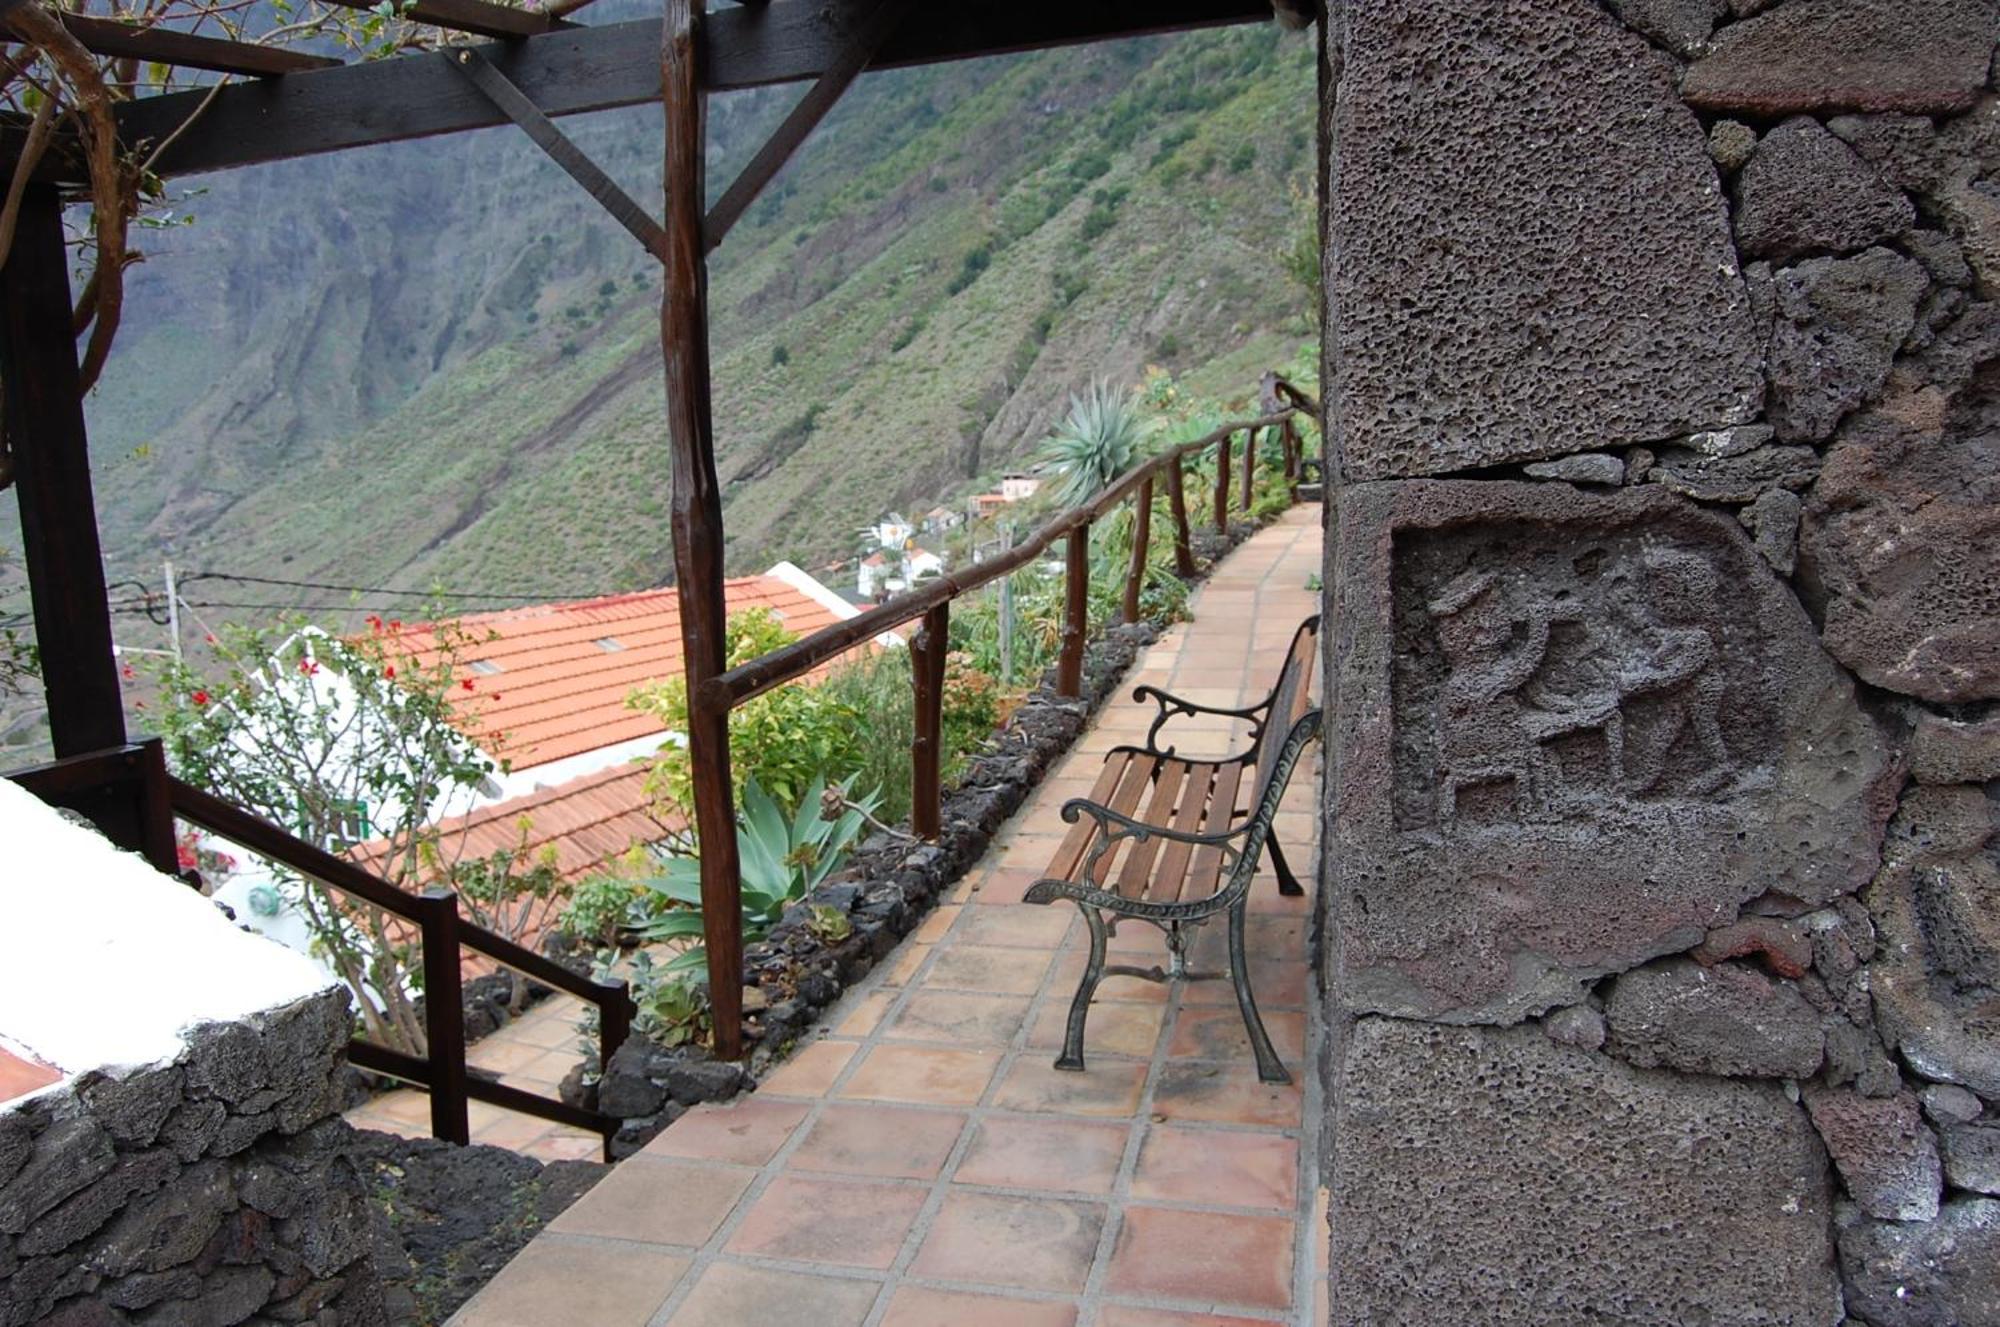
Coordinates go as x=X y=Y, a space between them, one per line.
x=1493 y=1176
x=1840 y=322
x=1944 y=751
x=1530 y=246
x=1885 y=1154
x=1682 y=26
x=1728 y=1020
x=68 y=1156
x=1972 y=1156
x=1942 y=1273
x=1806 y=192
x=1923 y=57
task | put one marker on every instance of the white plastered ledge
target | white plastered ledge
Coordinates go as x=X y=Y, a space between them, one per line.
x=105 y=963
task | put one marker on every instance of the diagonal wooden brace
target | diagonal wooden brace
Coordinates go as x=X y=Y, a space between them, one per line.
x=514 y=104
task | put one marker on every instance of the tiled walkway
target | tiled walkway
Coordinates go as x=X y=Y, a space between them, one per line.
x=923 y=1164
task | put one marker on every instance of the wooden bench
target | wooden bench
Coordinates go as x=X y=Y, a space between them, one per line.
x=1174 y=840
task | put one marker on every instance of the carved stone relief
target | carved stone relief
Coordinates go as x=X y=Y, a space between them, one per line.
x=1575 y=730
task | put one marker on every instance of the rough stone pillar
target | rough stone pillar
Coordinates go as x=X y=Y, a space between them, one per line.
x=1663 y=365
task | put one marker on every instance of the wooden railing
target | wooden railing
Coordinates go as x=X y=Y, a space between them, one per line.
x=718 y=695
x=129 y=786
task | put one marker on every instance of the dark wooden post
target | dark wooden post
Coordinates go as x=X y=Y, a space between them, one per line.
x=1076 y=612
x=1222 y=484
x=1183 y=536
x=1249 y=469
x=1142 y=529
x=444 y=1017
x=1289 y=435
x=697 y=520
x=44 y=422
x=927 y=653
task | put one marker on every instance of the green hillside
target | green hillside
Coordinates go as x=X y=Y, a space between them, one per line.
x=435 y=363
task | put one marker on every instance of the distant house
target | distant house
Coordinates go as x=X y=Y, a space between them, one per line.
x=1019 y=486
x=547 y=706
x=940 y=519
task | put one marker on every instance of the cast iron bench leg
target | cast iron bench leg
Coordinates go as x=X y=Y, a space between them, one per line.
x=1079 y=1008
x=1268 y=1067
x=1288 y=884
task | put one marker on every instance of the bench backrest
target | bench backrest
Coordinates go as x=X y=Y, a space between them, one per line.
x=1291 y=698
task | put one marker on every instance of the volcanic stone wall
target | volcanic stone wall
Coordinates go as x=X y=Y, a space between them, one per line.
x=217 y=1189
x=1663 y=884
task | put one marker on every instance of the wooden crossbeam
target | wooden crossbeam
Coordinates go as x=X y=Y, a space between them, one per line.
x=804 y=118
x=523 y=112
x=187 y=50
x=577 y=69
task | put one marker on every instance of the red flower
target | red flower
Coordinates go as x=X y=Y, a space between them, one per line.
x=390 y=671
x=199 y=698
x=395 y=625
x=128 y=672
x=495 y=696
x=467 y=684
x=375 y=624
x=209 y=639
x=308 y=667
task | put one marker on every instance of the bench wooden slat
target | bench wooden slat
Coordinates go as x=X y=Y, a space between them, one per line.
x=1138 y=867
x=1077 y=841
x=1166 y=885
x=1206 y=868
x=1138 y=777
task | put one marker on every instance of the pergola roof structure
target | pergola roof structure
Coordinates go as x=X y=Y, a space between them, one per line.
x=536 y=67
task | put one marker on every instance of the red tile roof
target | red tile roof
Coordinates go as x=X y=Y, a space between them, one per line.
x=552 y=680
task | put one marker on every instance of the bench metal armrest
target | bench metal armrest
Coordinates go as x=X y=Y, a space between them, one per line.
x=1172 y=707
x=1113 y=828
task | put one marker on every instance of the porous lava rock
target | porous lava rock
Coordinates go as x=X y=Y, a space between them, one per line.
x=1567 y=749
x=1945 y=751
x=1578 y=1189
x=1971 y=1156
x=1885 y=1154
x=1900 y=543
x=1728 y=1020
x=1839 y=323
x=1682 y=26
x=1806 y=192
x=1560 y=280
x=1933 y=909
x=1942 y=1273
x=1925 y=57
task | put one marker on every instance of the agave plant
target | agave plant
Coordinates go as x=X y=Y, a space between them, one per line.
x=784 y=858
x=1101 y=437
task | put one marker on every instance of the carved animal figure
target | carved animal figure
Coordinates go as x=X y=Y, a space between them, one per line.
x=1676 y=662
x=1483 y=733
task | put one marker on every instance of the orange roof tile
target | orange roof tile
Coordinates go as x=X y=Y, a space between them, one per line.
x=551 y=680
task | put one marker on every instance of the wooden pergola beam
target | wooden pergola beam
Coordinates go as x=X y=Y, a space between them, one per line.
x=188 y=50
x=474 y=16
x=573 y=70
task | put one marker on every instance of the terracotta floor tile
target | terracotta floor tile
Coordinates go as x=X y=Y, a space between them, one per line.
x=550 y=1033
x=1217 y=1167
x=989 y=970
x=557 y=1280
x=918 y=1306
x=1005 y=885
x=748 y=1132
x=578 y=1146
x=909 y=957
x=842 y=1222
x=1063 y=1156
x=867 y=1014
x=1030 y=1243
x=1219 y=1034
x=502 y=1055
x=1027 y=927
x=959 y=1016
x=923 y=1075
x=510 y=1131
x=811 y=1070
x=1108 y=1088
x=1128 y=1315
x=1276 y=986
x=1224 y=1093
x=935 y=925
x=1113 y=1028
x=731 y=1295
x=886 y=1142
x=1245 y=1261
x=658 y=1202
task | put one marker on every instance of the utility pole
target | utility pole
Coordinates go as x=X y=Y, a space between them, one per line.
x=173 y=612
x=1006 y=609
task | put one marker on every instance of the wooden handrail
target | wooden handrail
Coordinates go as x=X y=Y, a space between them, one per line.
x=748 y=680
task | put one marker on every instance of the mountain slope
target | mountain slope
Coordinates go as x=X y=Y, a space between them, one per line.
x=437 y=362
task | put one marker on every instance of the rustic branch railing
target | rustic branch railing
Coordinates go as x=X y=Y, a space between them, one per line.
x=138 y=772
x=720 y=694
